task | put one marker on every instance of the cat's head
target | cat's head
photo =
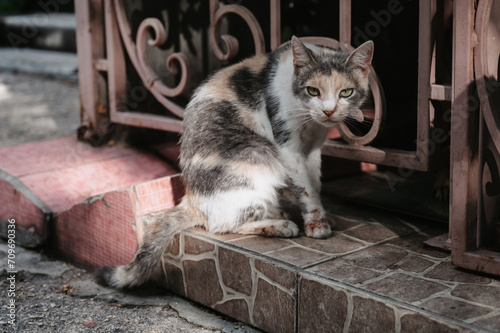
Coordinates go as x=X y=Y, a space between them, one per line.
x=331 y=84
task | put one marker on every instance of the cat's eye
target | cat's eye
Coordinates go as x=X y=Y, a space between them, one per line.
x=346 y=92
x=313 y=91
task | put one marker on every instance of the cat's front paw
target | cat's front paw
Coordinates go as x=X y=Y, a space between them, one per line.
x=317 y=229
x=288 y=229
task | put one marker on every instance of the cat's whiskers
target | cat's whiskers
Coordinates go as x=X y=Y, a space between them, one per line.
x=357 y=127
x=301 y=118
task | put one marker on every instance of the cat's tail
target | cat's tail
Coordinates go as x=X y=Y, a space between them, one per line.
x=145 y=266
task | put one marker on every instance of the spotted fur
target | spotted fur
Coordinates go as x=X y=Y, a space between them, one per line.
x=253 y=132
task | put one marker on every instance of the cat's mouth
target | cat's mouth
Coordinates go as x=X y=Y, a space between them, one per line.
x=329 y=122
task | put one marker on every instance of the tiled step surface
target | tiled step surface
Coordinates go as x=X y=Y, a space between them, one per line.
x=373 y=275
x=105 y=229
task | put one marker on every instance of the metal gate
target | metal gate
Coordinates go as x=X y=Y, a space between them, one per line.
x=110 y=53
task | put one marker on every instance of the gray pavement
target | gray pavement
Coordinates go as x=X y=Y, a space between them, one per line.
x=39 y=62
x=41 y=20
x=34 y=108
x=53 y=296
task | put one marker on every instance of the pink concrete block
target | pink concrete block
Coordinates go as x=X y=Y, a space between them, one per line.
x=98 y=233
x=36 y=157
x=15 y=205
x=60 y=189
x=159 y=194
x=170 y=152
x=58 y=176
x=155 y=196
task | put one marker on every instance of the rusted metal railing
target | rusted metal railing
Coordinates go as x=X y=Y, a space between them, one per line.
x=475 y=144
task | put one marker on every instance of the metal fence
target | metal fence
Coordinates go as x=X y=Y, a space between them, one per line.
x=466 y=78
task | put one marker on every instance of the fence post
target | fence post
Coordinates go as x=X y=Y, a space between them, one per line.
x=90 y=42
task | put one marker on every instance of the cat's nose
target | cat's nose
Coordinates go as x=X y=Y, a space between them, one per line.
x=328 y=113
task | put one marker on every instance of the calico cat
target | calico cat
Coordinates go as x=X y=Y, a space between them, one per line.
x=252 y=132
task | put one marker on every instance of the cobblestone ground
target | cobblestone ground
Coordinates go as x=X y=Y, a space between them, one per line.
x=53 y=296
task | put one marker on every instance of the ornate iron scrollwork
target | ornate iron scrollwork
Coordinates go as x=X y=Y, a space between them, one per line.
x=224 y=47
x=217 y=13
x=151 y=79
x=176 y=62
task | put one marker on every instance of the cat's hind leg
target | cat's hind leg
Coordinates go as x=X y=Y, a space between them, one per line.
x=258 y=218
x=270 y=228
x=267 y=221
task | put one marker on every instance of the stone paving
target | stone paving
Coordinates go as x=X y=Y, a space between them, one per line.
x=374 y=275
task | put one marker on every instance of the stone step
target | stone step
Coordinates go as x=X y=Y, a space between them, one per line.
x=56 y=64
x=373 y=275
x=41 y=30
x=41 y=182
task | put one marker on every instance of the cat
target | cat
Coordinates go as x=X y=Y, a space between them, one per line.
x=253 y=133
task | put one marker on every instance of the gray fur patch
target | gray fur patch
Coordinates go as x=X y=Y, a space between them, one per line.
x=280 y=132
x=207 y=181
x=252 y=214
x=248 y=87
x=216 y=128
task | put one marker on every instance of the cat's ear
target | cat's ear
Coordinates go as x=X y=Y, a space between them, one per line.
x=362 y=57
x=302 y=56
